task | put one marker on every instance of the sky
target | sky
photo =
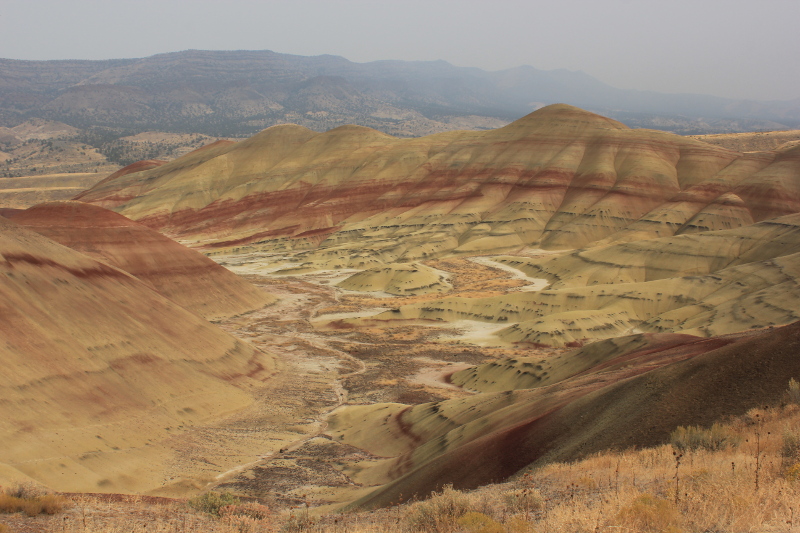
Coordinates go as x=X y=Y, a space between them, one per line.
x=730 y=48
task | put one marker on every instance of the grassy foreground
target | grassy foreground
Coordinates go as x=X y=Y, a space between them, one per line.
x=742 y=476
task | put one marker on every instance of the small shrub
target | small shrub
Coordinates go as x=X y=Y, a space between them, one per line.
x=681 y=438
x=212 y=502
x=793 y=393
x=793 y=473
x=474 y=522
x=52 y=504
x=27 y=491
x=253 y=510
x=694 y=437
x=439 y=513
x=32 y=506
x=790 y=450
x=517 y=524
x=242 y=524
x=297 y=523
x=525 y=500
x=8 y=503
x=650 y=514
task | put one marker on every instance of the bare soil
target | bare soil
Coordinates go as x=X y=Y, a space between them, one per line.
x=329 y=367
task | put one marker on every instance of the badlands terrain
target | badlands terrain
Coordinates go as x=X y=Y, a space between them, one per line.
x=346 y=319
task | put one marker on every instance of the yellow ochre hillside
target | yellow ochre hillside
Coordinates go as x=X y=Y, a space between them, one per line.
x=446 y=309
x=101 y=372
x=559 y=178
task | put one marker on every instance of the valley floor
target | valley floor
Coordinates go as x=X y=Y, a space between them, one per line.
x=281 y=453
x=324 y=368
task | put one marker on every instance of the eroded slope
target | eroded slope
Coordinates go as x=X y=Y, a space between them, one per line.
x=185 y=276
x=100 y=370
x=560 y=178
x=636 y=399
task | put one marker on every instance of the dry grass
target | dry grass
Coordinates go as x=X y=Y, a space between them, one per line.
x=698 y=489
x=658 y=489
x=31 y=501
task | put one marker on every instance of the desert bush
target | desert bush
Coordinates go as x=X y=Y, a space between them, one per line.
x=694 y=437
x=27 y=491
x=439 y=513
x=474 y=522
x=212 y=502
x=31 y=505
x=253 y=510
x=650 y=514
x=297 y=523
x=793 y=473
x=525 y=500
x=793 y=393
x=517 y=524
x=790 y=449
x=52 y=503
x=242 y=524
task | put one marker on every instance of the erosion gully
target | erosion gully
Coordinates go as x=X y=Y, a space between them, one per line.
x=277 y=449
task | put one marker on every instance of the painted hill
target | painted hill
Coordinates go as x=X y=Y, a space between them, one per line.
x=560 y=178
x=184 y=276
x=101 y=371
x=710 y=283
x=634 y=396
x=24 y=192
x=399 y=279
x=669 y=264
x=651 y=274
x=760 y=141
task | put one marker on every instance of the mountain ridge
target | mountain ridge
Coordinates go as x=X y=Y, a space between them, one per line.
x=239 y=92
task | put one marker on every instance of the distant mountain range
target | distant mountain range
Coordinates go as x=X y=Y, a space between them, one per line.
x=237 y=93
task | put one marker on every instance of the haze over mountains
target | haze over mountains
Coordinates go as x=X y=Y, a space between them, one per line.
x=238 y=93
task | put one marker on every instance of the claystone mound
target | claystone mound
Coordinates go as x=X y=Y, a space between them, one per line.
x=398 y=279
x=638 y=399
x=99 y=369
x=559 y=178
x=183 y=275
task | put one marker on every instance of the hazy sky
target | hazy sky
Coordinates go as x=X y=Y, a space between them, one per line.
x=733 y=48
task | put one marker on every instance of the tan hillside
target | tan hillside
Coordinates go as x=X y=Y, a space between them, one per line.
x=636 y=399
x=533 y=372
x=458 y=307
x=657 y=259
x=398 y=279
x=26 y=191
x=560 y=178
x=735 y=299
x=101 y=372
x=710 y=283
x=758 y=141
x=188 y=278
